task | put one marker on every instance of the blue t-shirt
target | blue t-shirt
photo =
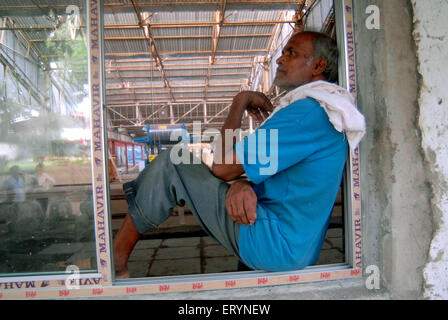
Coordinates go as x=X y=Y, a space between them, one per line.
x=296 y=160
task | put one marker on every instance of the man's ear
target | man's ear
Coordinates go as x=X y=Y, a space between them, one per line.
x=319 y=66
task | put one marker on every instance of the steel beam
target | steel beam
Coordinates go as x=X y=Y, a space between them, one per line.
x=143 y=19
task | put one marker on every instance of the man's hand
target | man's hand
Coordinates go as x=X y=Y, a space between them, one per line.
x=256 y=103
x=241 y=203
x=258 y=106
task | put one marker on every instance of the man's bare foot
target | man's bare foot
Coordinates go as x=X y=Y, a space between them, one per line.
x=122 y=273
x=121 y=264
x=124 y=242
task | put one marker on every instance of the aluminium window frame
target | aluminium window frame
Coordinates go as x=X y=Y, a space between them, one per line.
x=103 y=283
x=352 y=209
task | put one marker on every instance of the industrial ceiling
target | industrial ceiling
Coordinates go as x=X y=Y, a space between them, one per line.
x=179 y=61
x=171 y=62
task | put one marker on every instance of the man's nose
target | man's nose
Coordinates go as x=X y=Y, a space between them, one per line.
x=280 y=60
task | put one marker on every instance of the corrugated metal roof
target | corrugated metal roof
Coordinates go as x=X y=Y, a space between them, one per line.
x=120 y=18
x=317 y=15
x=198 y=66
x=182 y=32
x=243 y=44
x=124 y=33
x=126 y=46
x=41 y=3
x=171 y=46
x=183 y=17
x=254 y=14
x=239 y=30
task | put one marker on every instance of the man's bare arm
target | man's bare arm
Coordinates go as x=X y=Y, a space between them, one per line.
x=258 y=106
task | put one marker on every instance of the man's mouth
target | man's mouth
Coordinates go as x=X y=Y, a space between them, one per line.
x=280 y=70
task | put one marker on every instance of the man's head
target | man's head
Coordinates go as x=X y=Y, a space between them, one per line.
x=307 y=57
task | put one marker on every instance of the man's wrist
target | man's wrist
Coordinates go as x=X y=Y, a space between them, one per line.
x=240 y=102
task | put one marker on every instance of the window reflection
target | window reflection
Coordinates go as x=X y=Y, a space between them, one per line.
x=46 y=209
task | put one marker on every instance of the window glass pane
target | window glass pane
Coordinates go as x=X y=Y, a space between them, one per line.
x=130 y=155
x=138 y=153
x=121 y=157
x=46 y=211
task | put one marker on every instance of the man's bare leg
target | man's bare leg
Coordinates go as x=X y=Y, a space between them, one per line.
x=124 y=242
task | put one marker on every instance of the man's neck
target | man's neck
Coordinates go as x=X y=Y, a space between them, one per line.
x=314 y=79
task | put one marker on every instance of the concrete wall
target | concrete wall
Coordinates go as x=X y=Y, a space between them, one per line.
x=398 y=216
x=402 y=82
x=431 y=38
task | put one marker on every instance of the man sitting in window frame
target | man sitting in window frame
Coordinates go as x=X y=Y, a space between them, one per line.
x=277 y=221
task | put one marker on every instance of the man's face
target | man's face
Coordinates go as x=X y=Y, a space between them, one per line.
x=294 y=68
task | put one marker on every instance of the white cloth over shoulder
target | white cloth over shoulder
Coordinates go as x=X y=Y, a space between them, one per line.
x=337 y=102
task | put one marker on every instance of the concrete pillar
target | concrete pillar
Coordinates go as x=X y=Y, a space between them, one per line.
x=397 y=219
x=431 y=38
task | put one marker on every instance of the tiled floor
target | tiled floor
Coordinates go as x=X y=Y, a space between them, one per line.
x=198 y=255
x=161 y=254
x=180 y=256
x=333 y=247
x=175 y=248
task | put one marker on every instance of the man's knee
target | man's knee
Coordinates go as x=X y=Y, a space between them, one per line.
x=162 y=159
x=178 y=160
x=179 y=154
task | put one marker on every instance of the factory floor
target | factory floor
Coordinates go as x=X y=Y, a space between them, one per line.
x=182 y=253
x=180 y=247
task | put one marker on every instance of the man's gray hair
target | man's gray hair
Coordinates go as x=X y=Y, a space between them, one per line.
x=327 y=48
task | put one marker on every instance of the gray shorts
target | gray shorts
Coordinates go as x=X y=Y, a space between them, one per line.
x=162 y=185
